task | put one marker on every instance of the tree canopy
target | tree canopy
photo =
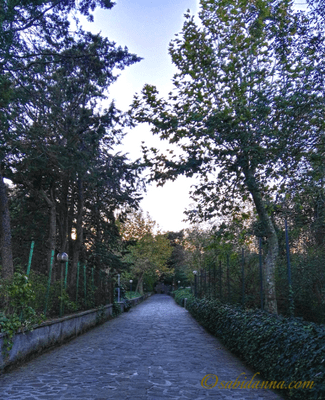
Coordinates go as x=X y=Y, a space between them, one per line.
x=244 y=110
x=147 y=251
x=56 y=142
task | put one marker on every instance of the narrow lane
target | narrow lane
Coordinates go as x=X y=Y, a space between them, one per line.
x=155 y=351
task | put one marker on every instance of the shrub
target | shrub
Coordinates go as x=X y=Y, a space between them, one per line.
x=127 y=304
x=116 y=309
x=16 y=314
x=281 y=349
x=181 y=294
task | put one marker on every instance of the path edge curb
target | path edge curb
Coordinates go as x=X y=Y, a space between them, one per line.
x=53 y=333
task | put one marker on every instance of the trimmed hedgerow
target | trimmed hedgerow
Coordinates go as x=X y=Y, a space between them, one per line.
x=281 y=349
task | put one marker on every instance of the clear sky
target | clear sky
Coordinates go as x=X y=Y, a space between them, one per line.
x=146 y=27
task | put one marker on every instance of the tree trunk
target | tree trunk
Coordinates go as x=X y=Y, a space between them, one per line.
x=70 y=225
x=79 y=239
x=98 y=237
x=64 y=216
x=5 y=233
x=272 y=241
x=319 y=220
x=139 y=287
x=52 y=231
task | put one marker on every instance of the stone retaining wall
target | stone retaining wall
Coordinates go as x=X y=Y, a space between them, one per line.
x=55 y=332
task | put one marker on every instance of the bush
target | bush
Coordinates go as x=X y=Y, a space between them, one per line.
x=16 y=295
x=181 y=294
x=127 y=304
x=281 y=349
x=132 y=295
x=116 y=309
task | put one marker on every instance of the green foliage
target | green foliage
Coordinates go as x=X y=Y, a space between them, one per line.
x=9 y=326
x=100 y=318
x=68 y=305
x=39 y=284
x=20 y=292
x=116 y=309
x=22 y=303
x=178 y=260
x=127 y=304
x=149 y=282
x=147 y=252
x=53 y=77
x=181 y=294
x=16 y=297
x=308 y=285
x=132 y=295
x=232 y=98
x=281 y=349
x=245 y=112
x=216 y=253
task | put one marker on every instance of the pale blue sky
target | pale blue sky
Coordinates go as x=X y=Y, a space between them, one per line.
x=146 y=28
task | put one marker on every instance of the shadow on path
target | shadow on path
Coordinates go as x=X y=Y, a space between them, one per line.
x=155 y=351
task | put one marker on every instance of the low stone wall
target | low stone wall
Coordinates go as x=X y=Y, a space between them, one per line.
x=55 y=332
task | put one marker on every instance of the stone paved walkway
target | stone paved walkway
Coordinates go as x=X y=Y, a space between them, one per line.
x=156 y=351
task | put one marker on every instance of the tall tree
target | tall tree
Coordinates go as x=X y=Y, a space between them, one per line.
x=148 y=251
x=61 y=133
x=238 y=111
x=177 y=260
x=27 y=30
x=306 y=184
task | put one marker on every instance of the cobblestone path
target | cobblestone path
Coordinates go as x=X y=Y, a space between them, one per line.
x=155 y=351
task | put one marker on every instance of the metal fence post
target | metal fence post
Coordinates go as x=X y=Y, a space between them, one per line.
x=49 y=283
x=30 y=257
x=61 y=289
x=65 y=281
x=77 y=288
x=66 y=275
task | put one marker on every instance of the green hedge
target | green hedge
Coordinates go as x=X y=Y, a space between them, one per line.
x=281 y=349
